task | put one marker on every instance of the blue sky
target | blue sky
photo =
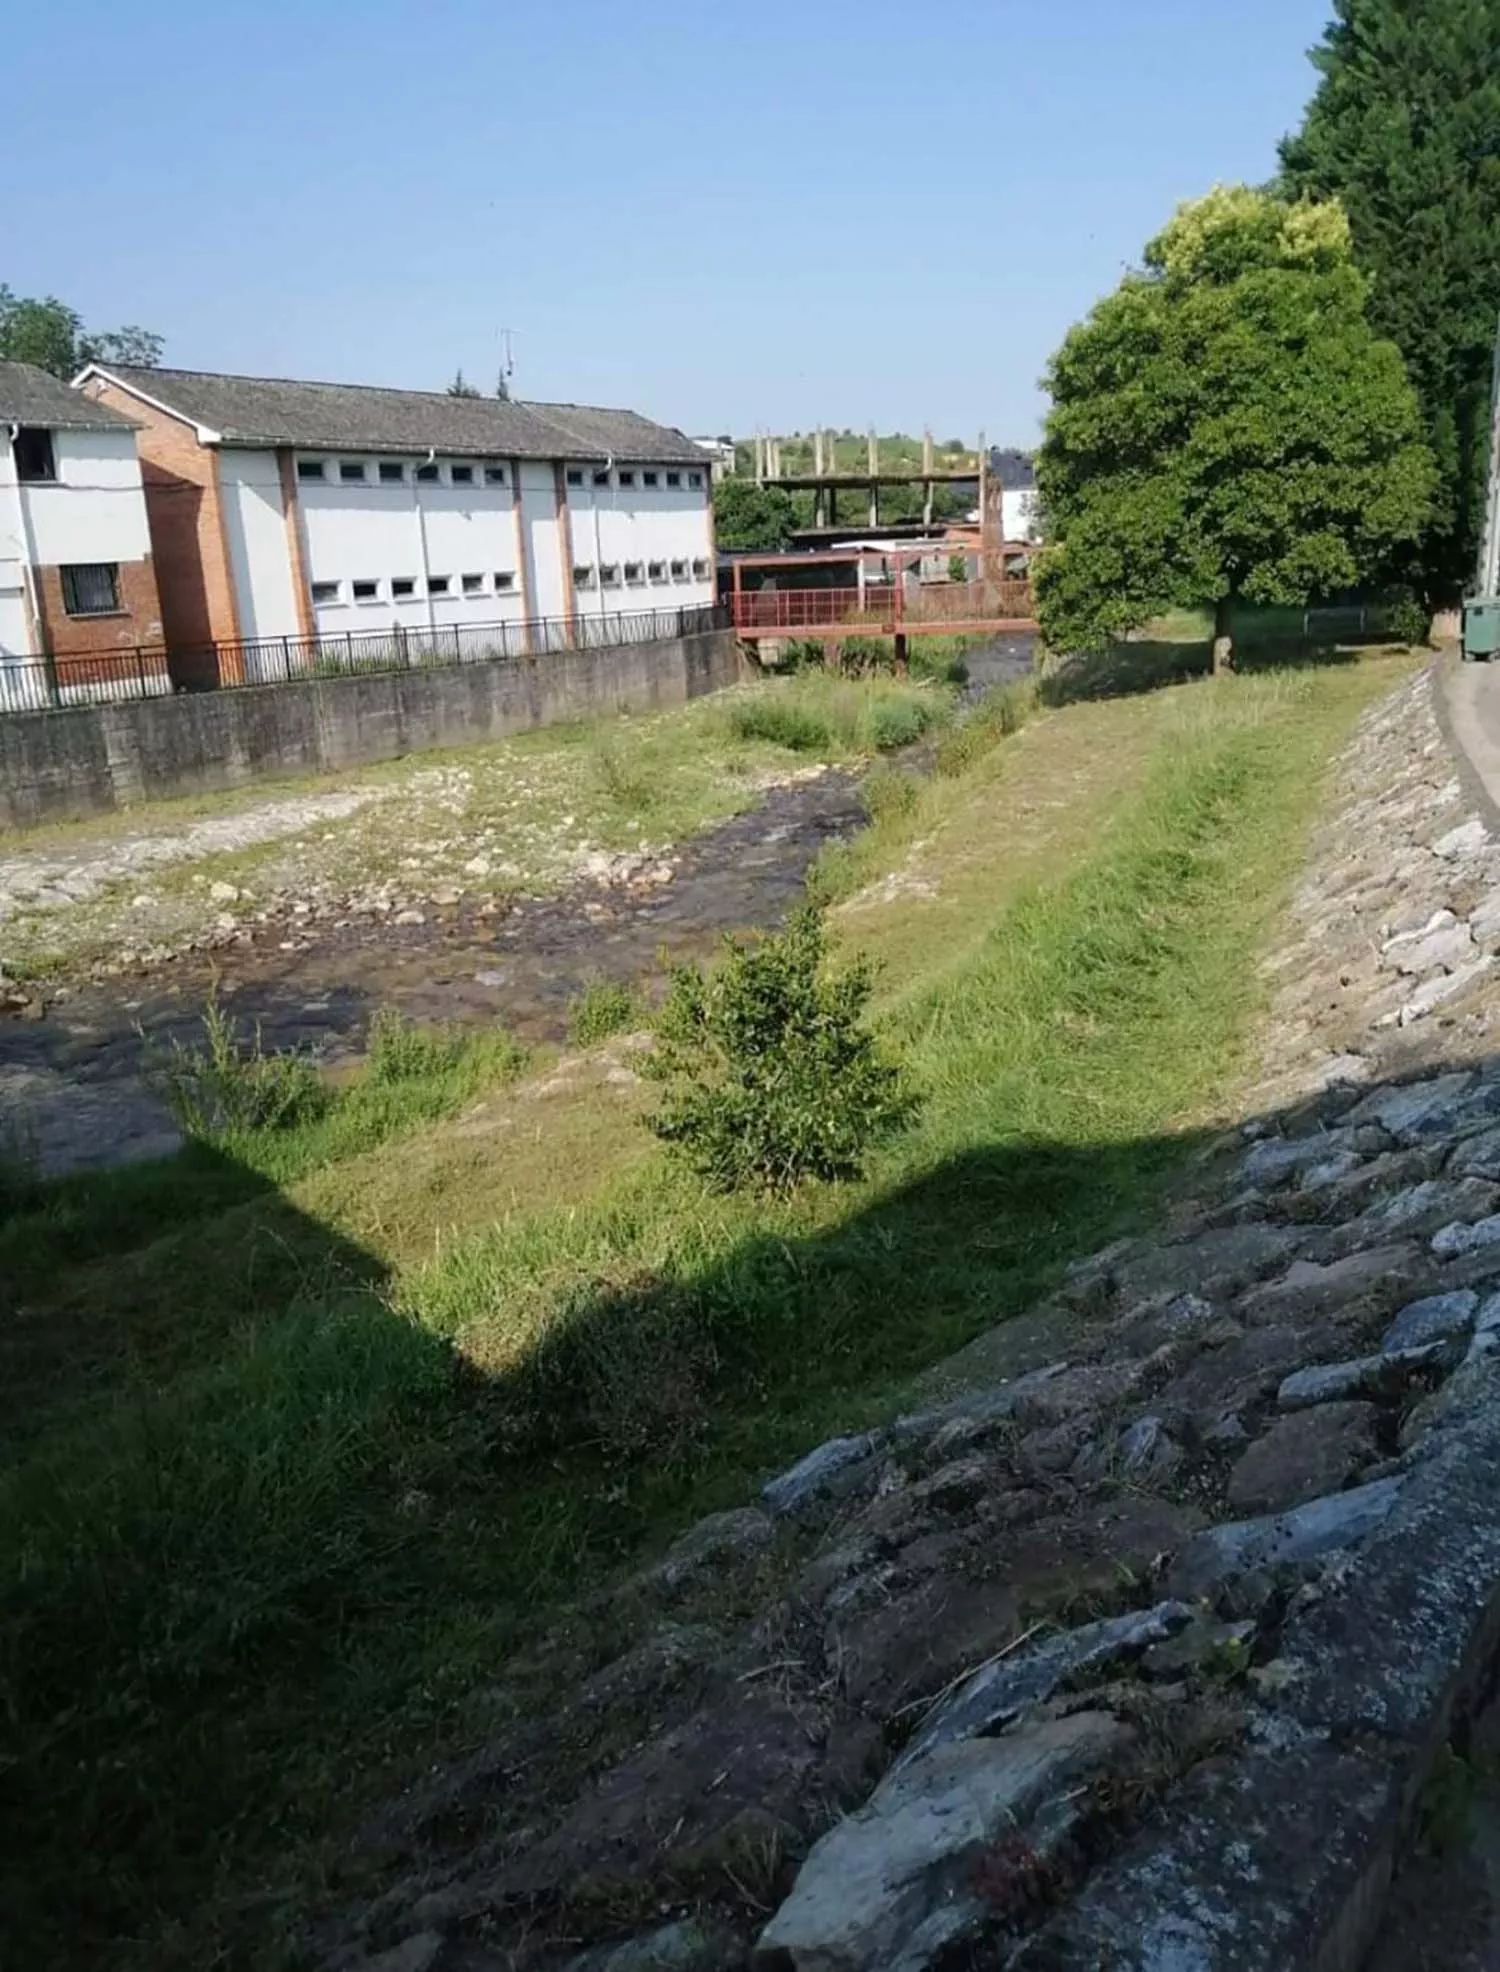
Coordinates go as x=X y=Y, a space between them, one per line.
x=724 y=214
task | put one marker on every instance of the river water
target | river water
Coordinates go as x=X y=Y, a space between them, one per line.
x=71 y=1093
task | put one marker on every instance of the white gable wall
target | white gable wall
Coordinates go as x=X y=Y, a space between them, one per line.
x=255 y=525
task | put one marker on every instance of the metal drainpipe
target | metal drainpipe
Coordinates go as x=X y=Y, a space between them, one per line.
x=416 y=493
x=27 y=545
x=609 y=466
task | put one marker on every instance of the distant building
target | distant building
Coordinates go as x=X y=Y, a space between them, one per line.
x=76 y=572
x=281 y=509
x=721 y=452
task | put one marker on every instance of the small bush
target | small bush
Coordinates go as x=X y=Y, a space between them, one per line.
x=231 y=1083
x=782 y=722
x=888 y=793
x=623 y=780
x=865 y=657
x=397 y=1050
x=604 y=1007
x=772 y=1076
x=1000 y=713
x=1408 y=621
x=898 y=721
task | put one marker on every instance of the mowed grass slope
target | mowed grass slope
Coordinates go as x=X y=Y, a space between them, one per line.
x=373 y=1409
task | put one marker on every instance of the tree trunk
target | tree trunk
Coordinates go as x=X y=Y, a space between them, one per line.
x=1223 y=637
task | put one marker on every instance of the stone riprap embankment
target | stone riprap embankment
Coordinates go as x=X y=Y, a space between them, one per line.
x=1134 y=1643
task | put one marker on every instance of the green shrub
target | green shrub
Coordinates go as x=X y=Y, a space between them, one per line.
x=897 y=722
x=397 y=1050
x=772 y=1076
x=623 y=780
x=604 y=1007
x=782 y=722
x=863 y=657
x=1000 y=713
x=230 y=1082
x=1408 y=620
x=887 y=792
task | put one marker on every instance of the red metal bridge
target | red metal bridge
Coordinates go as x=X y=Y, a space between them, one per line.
x=888 y=599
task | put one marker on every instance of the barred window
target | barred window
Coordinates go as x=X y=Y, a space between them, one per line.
x=91 y=588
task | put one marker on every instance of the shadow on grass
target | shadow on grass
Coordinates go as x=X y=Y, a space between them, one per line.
x=238 y=1582
x=1147 y=666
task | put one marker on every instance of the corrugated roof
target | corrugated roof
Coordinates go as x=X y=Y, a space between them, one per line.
x=365 y=418
x=29 y=396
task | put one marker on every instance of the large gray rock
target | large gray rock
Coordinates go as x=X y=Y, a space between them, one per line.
x=723 y=1539
x=1274 y=1160
x=1420 y=1109
x=891 y=1888
x=1445 y=986
x=1282 y=1540
x=686 y=1946
x=1444 y=949
x=1415 y=1213
x=1438 y=1318
x=1372 y=1281
x=1466 y=1236
x=1477 y=1157
x=1382 y=1378
x=836 y=1470
x=1000 y=1692
x=976 y=1408
x=1215 y=1263
x=1303 y=1457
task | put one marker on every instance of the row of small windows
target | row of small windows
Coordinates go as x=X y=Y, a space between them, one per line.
x=637 y=573
x=406 y=588
x=627 y=476
x=393 y=472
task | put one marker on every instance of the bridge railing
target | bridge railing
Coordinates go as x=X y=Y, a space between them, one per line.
x=880 y=609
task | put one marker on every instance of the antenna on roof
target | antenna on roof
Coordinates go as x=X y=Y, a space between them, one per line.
x=507 y=366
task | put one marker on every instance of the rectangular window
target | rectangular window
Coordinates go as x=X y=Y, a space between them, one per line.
x=429 y=473
x=503 y=580
x=494 y=475
x=695 y=479
x=601 y=479
x=403 y=588
x=437 y=585
x=575 y=476
x=609 y=575
x=366 y=591
x=392 y=472
x=583 y=575
x=700 y=571
x=674 y=479
x=461 y=475
x=310 y=469
x=91 y=588
x=34 y=456
x=325 y=592
x=657 y=570
x=679 y=571
x=649 y=478
x=352 y=472
x=627 y=479
x=634 y=572
x=473 y=585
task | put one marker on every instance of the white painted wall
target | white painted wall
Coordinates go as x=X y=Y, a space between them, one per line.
x=650 y=524
x=94 y=511
x=255 y=525
x=457 y=544
x=1019 y=521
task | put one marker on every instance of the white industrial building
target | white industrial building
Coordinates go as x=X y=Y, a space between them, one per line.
x=287 y=510
x=75 y=548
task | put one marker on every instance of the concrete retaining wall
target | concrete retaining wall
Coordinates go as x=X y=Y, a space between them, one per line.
x=58 y=766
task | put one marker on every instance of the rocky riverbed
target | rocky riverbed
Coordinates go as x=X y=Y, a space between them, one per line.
x=1138 y=1640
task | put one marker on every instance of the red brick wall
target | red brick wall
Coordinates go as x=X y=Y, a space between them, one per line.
x=139 y=620
x=184 y=509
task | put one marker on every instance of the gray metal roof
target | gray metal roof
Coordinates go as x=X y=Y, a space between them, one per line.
x=364 y=418
x=29 y=396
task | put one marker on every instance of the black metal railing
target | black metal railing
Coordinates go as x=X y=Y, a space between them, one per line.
x=155 y=671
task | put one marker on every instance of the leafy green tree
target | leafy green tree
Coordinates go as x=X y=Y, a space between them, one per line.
x=461 y=387
x=1226 y=426
x=50 y=334
x=1405 y=130
x=754 y=519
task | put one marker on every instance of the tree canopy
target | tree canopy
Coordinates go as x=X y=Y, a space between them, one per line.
x=753 y=519
x=50 y=334
x=1404 y=129
x=1226 y=426
x=461 y=387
